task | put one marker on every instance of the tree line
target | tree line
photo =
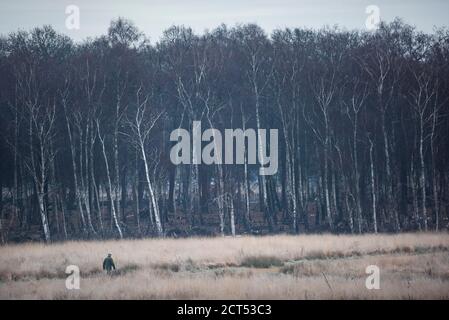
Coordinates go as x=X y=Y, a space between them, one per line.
x=85 y=131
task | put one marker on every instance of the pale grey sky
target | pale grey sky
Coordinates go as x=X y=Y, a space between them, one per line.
x=154 y=16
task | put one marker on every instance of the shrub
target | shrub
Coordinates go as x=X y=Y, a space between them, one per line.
x=261 y=262
x=173 y=267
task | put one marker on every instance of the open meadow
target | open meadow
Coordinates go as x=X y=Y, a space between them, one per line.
x=412 y=266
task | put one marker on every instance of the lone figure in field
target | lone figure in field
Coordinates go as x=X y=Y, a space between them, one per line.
x=108 y=264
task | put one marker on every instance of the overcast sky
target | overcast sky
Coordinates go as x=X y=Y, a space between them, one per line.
x=154 y=16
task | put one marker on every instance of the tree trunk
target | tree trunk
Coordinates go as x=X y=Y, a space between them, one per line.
x=422 y=178
x=232 y=215
x=373 y=188
x=74 y=166
x=110 y=189
x=153 y=199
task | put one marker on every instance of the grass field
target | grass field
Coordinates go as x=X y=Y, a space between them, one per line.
x=412 y=266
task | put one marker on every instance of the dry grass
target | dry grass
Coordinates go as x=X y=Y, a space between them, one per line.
x=413 y=266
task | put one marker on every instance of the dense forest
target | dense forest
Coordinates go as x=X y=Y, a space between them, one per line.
x=85 y=131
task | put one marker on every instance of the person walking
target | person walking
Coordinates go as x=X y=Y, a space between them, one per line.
x=108 y=264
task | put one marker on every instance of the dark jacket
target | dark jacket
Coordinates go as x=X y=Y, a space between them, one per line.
x=108 y=264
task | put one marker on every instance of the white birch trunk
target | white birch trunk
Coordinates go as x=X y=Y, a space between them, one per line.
x=108 y=175
x=373 y=187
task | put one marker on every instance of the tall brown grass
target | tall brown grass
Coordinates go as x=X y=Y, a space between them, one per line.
x=413 y=266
